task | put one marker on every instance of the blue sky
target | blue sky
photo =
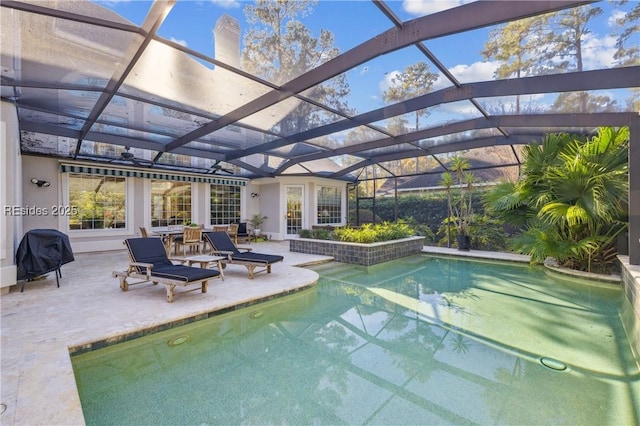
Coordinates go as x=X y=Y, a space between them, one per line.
x=353 y=22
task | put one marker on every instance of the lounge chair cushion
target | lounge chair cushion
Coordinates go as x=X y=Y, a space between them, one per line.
x=183 y=273
x=151 y=250
x=222 y=243
x=257 y=257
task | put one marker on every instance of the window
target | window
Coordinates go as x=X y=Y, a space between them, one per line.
x=170 y=203
x=225 y=204
x=329 y=205
x=96 y=202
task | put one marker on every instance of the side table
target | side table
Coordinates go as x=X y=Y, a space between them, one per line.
x=204 y=261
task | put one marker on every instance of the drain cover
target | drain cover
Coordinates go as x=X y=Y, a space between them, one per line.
x=256 y=314
x=553 y=364
x=178 y=340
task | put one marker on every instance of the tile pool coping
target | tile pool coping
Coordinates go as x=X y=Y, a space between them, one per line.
x=98 y=344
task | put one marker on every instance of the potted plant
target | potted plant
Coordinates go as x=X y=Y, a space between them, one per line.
x=460 y=209
x=256 y=222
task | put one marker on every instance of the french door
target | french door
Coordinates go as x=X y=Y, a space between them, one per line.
x=294 y=210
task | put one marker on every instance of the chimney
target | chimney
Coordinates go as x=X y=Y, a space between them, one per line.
x=226 y=36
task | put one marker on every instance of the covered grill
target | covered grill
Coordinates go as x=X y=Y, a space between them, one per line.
x=42 y=251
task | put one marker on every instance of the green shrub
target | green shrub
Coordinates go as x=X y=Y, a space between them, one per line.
x=371 y=233
x=305 y=233
x=322 y=234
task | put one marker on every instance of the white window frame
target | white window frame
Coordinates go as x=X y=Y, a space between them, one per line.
x=63 y=220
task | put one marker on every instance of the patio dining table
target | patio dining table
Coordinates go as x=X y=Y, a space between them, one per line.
x=167 y=236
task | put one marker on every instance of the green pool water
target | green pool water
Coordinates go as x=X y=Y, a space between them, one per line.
x=417 y=341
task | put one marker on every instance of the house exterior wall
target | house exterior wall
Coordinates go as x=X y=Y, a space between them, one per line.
x=40 y=199
x=10 y=194
x=269 y=200
x=273 y=189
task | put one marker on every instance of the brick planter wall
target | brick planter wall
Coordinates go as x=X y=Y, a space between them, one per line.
x=360 y=254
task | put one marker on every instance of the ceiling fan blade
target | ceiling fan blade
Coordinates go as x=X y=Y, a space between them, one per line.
x=216 y=167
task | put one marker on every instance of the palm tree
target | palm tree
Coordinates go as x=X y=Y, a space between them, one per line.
x=461 y=213
x=447 y=183
x=578 y=190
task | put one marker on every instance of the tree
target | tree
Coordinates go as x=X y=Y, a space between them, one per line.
x=573 y=196
x=628 y=54
x=573 y=26
x=565 y=102
x=460 y=209
x=279 y=48
x=545 y=44
x=415 y=80
x=520 y=47
x=627 y=49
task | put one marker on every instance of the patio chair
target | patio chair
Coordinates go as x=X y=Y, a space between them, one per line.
x=191 y=237
x=243 y=235
x=224 y=246
x=233 y=232
x=149 y=262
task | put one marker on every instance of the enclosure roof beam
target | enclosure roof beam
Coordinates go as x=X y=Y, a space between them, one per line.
x=542 y=121
x=441 y=149
x=157 y=14
x=451 y=21
x=613 y=78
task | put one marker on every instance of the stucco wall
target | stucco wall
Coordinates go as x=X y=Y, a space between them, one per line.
x=40 y=201
x=10 y=194
x=272 y=201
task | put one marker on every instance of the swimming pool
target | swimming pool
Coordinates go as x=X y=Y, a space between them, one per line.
x=421 y=340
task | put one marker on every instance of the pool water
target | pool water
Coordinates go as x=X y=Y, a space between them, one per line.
x=420 y=340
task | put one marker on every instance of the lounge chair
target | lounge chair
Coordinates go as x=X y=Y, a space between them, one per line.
x=149 y=262
x=223 y=246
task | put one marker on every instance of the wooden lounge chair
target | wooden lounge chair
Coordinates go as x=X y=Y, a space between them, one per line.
x=149 y=262
x=223 y=246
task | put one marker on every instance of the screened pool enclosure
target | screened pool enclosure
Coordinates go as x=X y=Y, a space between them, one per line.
x=260 y=90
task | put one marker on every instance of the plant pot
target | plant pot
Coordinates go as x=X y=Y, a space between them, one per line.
x=464 y=242
x=256 y=231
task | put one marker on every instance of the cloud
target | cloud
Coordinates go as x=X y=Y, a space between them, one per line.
x=226 y=4
x=426 y=7
x=387 y=81
x=612 y=22
x=478 y=71
x=180 y=42
x=597 y=52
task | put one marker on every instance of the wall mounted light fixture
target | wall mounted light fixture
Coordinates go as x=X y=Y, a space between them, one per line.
x=254 y=195
x=40 y=183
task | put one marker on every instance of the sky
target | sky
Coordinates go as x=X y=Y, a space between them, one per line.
x=352 y=22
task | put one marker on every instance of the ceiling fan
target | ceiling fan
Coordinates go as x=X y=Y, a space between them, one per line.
x=128 y=156
x=215 y=167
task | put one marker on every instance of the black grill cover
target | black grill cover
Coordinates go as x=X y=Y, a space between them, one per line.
x=42 y=251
